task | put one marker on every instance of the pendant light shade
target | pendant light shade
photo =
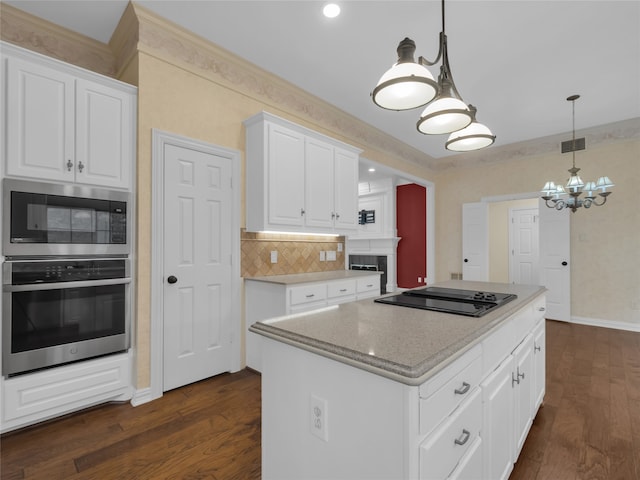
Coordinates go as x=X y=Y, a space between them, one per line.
x=473 y=137
x=406 y=84
x=446 y=114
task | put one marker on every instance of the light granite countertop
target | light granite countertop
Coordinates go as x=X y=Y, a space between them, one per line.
x=407 y=345
x=296 y=278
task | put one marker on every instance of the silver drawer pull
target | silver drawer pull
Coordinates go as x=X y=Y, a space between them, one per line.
x=343 y=289
x=311 y=295
x=520 y=375
x=369 y=285
x=464 y=389
x=541 y=309
x=464 y=438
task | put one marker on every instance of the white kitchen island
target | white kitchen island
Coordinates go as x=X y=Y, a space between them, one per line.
x=371 y=391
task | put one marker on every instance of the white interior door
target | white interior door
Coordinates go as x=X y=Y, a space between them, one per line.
x=523 y=237
x=197 y=265
x=555 y=267
x=475 y=242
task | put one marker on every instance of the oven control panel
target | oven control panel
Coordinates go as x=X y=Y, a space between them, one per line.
x=32 y=272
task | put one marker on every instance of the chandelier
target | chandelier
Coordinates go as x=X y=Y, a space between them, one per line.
x=409 y=84
x=569 y=195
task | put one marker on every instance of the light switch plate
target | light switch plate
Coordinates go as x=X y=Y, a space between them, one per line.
x=274 y=256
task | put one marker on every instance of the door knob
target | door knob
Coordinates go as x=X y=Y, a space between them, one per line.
x=466 y=260
x=564 y=264
x=171 y=279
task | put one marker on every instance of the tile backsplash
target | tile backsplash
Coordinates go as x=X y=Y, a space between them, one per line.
x=296 y=253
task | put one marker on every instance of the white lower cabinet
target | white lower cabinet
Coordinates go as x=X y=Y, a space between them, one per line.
x=445 y=448
x=503 y=384
x=513 y=392
x=497 y=431
x=35 y=397
x=265 y=300
x=468 y=421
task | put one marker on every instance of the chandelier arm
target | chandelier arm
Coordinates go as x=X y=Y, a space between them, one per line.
x=604 y=200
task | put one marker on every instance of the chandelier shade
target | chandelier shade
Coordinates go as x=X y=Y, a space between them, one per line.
x=407 y=84
x=558 y=197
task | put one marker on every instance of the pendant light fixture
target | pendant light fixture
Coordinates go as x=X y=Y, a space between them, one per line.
x=409 y=85
x=556 y=193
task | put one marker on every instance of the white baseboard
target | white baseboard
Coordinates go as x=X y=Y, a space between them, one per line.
x=141 y=396
x=597 y=322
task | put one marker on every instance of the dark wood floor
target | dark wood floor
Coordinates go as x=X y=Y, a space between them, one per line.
x=589 y=427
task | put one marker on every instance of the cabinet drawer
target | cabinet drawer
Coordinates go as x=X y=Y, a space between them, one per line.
x=40 y=395
x=540 y=308
x=442 y=402
x=471 y=465
x=443 y=450
x=341 y=288
x=308 y=293
x=369 y=284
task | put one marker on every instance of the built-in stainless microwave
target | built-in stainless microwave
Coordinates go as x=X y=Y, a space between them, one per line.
x=43 y=219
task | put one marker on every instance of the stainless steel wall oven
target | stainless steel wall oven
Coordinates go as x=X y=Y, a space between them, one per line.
x=57 y=311
x=43 y=219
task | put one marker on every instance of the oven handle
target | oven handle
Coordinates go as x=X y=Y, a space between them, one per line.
x=62 y=285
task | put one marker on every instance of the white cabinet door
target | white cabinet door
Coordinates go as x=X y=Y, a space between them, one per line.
x=497 y=429
x=539 y=354
x=319 y=179
x=103 y=135
x=524 y=373
x=475 y=242
x=285 y=176
x=40 y=122
x=346 y=190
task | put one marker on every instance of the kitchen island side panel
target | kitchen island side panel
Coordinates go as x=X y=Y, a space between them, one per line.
x=365 y=417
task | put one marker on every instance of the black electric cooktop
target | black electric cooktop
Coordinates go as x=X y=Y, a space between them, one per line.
x=470 y=303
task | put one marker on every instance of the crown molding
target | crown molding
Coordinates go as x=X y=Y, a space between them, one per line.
x=167 y=41
x=617 y=132
x=38 y=35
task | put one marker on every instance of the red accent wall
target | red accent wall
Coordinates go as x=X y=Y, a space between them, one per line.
x=411 y=219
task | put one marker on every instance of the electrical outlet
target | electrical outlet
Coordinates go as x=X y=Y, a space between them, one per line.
x=274 y=256
x=419 y=279
x=318 y=416
x=331 y=256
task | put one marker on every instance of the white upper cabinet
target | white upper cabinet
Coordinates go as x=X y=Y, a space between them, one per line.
x=285 y=177
x=299 y=180
x=66 y=124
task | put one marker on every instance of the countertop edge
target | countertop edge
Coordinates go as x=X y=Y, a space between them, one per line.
x=409 y=375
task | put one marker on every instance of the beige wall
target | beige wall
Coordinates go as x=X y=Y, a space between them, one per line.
x=605 y=241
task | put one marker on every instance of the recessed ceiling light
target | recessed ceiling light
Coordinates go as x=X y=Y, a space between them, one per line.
x=331 y=10
x=372 y=169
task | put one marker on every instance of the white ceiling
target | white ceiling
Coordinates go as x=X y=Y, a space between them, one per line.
x=515 y=60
